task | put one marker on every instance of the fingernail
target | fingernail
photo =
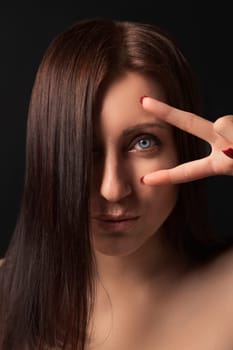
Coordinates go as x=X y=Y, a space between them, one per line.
x=228 y=152
x=141 y=98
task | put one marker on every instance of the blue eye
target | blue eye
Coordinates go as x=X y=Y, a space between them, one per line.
x=146 y=142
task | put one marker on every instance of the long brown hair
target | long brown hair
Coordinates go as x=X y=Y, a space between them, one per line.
x=47 y=281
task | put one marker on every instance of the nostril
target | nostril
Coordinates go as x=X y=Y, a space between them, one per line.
x=114 y=190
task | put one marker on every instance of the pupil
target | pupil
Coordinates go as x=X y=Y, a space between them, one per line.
x=144 y=143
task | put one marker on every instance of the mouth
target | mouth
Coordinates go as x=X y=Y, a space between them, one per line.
x=120 y=223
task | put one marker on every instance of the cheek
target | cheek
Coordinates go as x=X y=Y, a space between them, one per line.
x=158 y=194
x=157 y=203
x=161 y=198
x=163 y=195
x=140 y=166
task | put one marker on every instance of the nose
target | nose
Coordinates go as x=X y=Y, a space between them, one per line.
x=115 y=181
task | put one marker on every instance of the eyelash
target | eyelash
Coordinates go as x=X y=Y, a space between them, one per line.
x=157 y=142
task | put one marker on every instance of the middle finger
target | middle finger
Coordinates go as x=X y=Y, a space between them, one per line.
x=186 y=121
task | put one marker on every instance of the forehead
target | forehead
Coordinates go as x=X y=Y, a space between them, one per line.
x=121 y=107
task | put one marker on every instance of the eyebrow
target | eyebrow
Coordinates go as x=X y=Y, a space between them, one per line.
x=136 y=127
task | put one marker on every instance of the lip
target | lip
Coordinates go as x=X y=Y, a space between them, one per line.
x=116 y=223
x=115 y=217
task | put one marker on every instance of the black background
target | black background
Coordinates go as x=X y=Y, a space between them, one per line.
x=203 y=30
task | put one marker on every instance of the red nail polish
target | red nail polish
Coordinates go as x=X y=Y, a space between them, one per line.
x=141 y=98
x=228 y=152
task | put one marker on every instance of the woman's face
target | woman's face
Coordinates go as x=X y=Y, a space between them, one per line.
x=129 y=143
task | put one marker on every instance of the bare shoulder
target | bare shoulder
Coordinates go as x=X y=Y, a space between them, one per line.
x=213 y=283
x=217 y=280
x=207 y=294
x=219 y=270
x=223 y=264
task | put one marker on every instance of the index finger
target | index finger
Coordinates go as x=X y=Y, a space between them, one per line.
x=186 y=121
x=186 y=172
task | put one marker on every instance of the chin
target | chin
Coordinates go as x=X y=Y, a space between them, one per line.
x=117 y=246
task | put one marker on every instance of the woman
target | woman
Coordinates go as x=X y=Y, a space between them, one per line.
x=104 y=256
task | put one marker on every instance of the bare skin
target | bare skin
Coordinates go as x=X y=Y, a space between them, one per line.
x=189 y=309
x=147 y=297
x=219 y=135
x=192 y=310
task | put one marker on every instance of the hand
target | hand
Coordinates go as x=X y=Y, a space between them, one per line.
x=218 y=134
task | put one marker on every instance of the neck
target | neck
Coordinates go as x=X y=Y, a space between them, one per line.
x=151 y=262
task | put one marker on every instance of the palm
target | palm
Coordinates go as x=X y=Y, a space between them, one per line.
x=219 y=135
